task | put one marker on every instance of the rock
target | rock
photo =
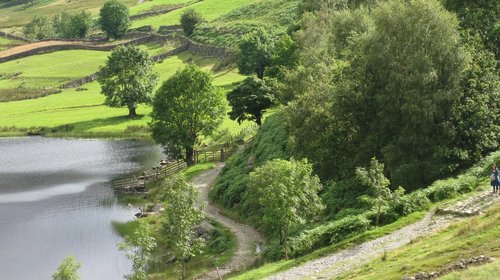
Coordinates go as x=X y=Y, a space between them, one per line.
x=421 y=276
x=157 y=207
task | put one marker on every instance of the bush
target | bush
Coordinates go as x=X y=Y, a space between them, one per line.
x=329 y=233
x=190 y=19
x=218 y=241
x=413 y=202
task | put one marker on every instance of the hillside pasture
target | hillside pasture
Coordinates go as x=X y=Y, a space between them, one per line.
x=82 y=112
x=15 y=13
x=152 y=5
x=6 y=43
x=51 y=69
x=210 y=9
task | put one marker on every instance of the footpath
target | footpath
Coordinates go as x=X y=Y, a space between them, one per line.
x=248 y=239
x=333 y=265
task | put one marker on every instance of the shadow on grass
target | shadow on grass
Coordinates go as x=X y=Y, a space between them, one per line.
x=85 y=126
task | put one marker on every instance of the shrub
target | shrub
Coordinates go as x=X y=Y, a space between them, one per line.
x=190 y=19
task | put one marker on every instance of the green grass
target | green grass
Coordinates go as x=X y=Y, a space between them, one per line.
x=156 y=4
x=196 y=169
x=275 y=267
x=210 y=9
x=462 y=240
x=6 y=43
x=483 y=272
x=84 y=110
x=52 y=69
x=274 y=16
x=13 y=13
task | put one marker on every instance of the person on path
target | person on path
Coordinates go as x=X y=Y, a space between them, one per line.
x=495 y=182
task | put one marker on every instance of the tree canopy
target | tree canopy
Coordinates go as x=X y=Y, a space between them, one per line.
x=255 y=53
x=127 y=79
x=138 y=246
x=114 y=18
x=287 y=193
x=250 y=100
x=185 y=107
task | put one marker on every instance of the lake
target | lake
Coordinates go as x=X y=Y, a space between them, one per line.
x=56 y=200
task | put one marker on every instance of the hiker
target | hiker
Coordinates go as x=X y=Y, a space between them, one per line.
x=495 y=182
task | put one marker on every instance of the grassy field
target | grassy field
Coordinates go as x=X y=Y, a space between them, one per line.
x=52 y=69
x=274 y=16
x=6 y=43
x=84 y=112
x=210 y=9
x=474 y=237
x=157 y=4
x=14 y=13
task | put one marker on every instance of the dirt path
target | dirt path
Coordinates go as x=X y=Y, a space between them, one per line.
x=248 y=239
x=335 y=264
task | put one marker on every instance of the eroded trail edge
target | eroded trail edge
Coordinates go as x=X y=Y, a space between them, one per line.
x=247 y=237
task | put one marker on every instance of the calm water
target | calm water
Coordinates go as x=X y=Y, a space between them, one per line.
x=56 y=200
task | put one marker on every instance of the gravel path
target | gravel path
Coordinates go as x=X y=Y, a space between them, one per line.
x=333 y=265
x=248 y=239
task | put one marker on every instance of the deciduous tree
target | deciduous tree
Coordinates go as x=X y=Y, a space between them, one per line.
x=127 y=79
x=185 y=107
x=255 y=53
x=287 y=192
x=182 y=216
x=375 y=180
x=250 y=100
x=114 y=18
x=139 y=246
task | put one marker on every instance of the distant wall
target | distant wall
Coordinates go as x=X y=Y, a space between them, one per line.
x=13 y=37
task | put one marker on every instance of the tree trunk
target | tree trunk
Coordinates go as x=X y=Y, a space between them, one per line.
x=258 y=118
x=378 y=216
x=189 y=156
x=260 y=73
x=183 y=270
x=131 y=111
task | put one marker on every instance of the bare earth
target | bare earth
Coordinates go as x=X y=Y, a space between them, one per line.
x=248 y=239
x=333 y=265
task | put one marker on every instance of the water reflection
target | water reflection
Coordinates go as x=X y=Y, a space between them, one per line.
x=56 y=200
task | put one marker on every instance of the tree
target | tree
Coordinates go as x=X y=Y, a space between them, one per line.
x=186 y=107
x=190 y=19
x=250 y=100
x=287 y=193
x=255 y=53
x=374 y=178
x=127 y=79
x=38 y=28
x=139 y=246
x=72 y=26
x=67 y=270
x=80 y=24
x=181 y=219
x=114 y=18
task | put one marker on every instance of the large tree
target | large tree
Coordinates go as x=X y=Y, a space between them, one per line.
x=287 y=192
x=39 y=28
x=185 y=107
x=127 y=79
x=114 y=18
x=255 y=53
x=250 y=100
x=182 y=216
